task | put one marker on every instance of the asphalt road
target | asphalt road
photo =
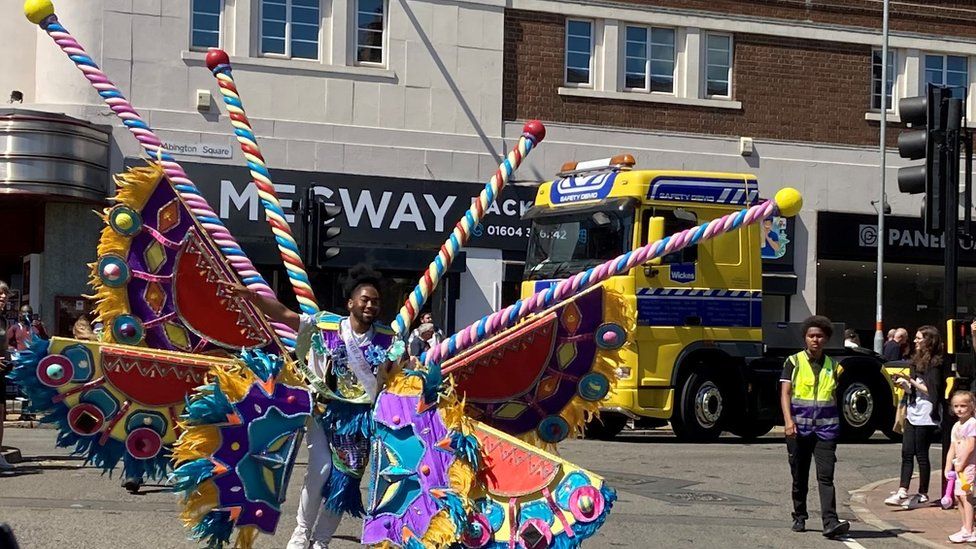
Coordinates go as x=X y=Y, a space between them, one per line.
x=727 y=494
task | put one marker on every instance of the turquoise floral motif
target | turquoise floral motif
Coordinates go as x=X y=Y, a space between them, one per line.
x=396 y=350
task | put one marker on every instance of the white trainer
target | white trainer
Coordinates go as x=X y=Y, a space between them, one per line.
x=299 y=539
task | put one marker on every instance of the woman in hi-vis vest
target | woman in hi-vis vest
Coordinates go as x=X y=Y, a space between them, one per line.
x=812 y=424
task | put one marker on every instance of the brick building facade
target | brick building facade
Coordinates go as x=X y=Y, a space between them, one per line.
x=801 y=79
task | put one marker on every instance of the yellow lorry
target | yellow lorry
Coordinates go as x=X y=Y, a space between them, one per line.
x=702 y=358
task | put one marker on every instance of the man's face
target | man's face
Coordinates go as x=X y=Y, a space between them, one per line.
x=901 y=337
x=4 y=298
x=25 y=311
x=364 y=304
x=426 y=334
x=815 y=339
x=426 y=318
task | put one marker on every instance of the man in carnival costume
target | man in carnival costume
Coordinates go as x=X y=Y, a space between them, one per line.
x=347 y=363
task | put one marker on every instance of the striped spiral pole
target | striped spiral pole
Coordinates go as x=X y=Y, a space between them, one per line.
x=41 y=12
x=219 y=64
x=532 y=133
x=787 y=202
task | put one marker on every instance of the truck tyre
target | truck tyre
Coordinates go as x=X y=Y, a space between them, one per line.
x=861 y=406
x=699 y=414
x=605 y=427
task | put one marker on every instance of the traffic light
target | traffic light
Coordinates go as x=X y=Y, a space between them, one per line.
x=928 y=113
x=320 y=229
x=326 y=231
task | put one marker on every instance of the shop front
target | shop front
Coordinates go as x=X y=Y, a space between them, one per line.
x=395 y=225
x=53 y=173
x=913 y=272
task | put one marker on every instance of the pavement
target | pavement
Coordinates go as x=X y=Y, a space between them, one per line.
x=928 y=526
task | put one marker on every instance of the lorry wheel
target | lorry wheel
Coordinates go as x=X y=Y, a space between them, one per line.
x=860 y=408
x=605 y=427
x=699 y=414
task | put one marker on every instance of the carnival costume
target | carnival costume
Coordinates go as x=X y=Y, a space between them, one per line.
x=454 y=439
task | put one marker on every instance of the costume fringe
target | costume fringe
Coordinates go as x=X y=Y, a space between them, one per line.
x=214 y=529
x=342 y=495
x=246 y=537
x=442 y=531
x=187 y=476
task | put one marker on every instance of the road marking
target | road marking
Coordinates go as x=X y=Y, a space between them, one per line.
x=851 y=543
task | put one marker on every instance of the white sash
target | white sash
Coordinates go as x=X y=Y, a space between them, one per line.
x=356 y=361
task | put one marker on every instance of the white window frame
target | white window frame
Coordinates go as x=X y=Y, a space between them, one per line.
x=592 y=81
x=288 y=24
x=892 y=73
x=648 y=59
x=945 y=68
x=383 y=46
x=220 y=28
x=704 y=65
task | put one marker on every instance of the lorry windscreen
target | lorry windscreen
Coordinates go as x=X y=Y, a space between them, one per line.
x=564 y=244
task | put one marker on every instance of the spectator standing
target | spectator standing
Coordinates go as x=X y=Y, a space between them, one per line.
x=924 y=388
x=20 y=334
x=897 y=347
x=416 y=340
x=5 y=367
x=812 y=424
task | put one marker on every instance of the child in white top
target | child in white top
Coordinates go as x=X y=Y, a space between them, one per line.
x=962 y=459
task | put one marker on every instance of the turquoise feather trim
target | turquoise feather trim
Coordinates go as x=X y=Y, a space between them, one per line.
x=342 y=495
x=207 y=405
x=263 y=365
x=466 y=447
x=214 y=529
x=24 y=375
x=190 y=475
x=343 y=418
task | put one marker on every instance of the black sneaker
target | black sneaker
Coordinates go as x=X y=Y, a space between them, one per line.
x=837 y=529
x=132 y=485
x=799 y=525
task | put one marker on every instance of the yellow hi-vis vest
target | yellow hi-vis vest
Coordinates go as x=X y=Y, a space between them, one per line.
x=814 y=402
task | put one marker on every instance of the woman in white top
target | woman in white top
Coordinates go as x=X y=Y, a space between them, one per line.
x=924 y=387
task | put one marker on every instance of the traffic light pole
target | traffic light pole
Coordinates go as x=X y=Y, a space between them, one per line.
x=951 y=235
x=879 y=336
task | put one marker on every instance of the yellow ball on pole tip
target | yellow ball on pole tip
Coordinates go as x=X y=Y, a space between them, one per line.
x=38 y=10
x=788 y=201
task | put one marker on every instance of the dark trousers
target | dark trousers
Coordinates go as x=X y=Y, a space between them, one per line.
x=824 y=453
x=915 y=444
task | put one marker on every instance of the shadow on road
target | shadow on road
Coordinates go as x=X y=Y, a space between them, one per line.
x=883 y=534
x=652 y=437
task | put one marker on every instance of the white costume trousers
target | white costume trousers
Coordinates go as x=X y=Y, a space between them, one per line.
x=312 y=515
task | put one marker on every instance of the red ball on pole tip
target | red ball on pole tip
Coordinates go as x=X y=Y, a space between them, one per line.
x=217 y=57
x=534 y=129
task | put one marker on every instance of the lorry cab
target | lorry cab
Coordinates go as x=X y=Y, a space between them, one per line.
x=697 y=344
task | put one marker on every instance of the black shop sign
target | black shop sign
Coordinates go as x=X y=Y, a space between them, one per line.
x=855 y=237
x=387 y=212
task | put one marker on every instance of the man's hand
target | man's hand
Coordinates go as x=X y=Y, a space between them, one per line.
x=236 y=289
x=790 y=429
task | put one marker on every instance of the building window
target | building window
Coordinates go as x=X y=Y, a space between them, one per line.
x=718 y=65
x=649 y=59
x=205 y=24
x=876 y=79
x=579 y=52
x=948 y=70
x=290 y=28
x=370 y=22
